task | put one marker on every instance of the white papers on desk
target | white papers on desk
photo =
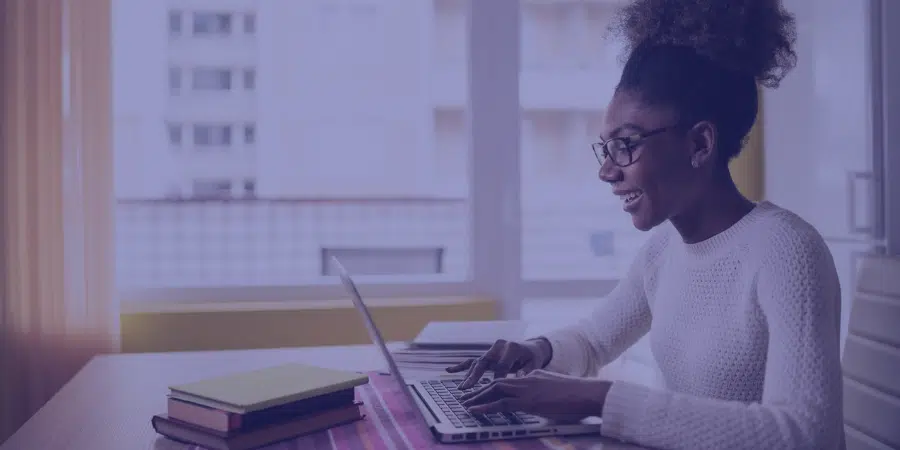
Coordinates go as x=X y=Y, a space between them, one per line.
x=417 y=364
x=444 y=344
x=469 y=335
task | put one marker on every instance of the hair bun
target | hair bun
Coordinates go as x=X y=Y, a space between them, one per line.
x=751 y=36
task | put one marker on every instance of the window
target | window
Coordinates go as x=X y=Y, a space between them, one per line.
x=249 y=79
x=249 y=134
x=249 y=23
x=250 y=188
x=453 y=167
x=212 y=135
x=174 y=130
x=212 y=23
x=211 y=189
x=174 y=80
x=175 y=23
x=587 y=236
x=211 y=79
x=338 y=169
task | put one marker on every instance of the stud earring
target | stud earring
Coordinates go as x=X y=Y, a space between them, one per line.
x=695 y=163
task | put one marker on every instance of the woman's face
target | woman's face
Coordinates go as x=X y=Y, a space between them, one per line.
x=661 y=181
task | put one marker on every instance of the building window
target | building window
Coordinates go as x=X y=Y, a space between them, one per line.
x=249 y=134
x=175 y=23
x=174 y=80
x=212 y=135
x=211 y=79
x=249 y=79
x=211 y=189
x=211 y=23
x=174 y=130
x=250 y=23
x=250 y=188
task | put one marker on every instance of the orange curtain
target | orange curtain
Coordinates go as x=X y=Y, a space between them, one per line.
x=57 y=305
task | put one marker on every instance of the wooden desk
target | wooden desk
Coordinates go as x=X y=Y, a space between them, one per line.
x=109 y=403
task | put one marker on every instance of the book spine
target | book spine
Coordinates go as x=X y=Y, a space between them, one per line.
x=226 y=421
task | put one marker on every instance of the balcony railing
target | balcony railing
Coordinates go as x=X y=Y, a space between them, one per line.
x=257 y=242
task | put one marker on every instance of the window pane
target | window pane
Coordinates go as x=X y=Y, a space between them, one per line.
x=249 y=134
x=174 y=134
x=212 y=23
x=330 y=170
x=174 y=22
x=212 y=135
x=211 y=189
x=572 y=225
x=211 y=79
x=174 y=80
x=249 y=79
x=250 y=23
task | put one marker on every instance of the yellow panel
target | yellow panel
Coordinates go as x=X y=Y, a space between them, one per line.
x=747 y=168
x=247 y=328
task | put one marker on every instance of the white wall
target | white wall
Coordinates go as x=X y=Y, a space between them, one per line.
x=142 y=163
x=347 y=113
x=818 y=134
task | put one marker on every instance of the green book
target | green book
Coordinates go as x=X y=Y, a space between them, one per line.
x=254 y=390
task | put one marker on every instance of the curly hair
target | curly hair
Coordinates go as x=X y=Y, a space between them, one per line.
x=706 y=58
x=754 y=37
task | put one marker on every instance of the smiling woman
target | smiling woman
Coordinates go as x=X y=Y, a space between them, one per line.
x=740 y=299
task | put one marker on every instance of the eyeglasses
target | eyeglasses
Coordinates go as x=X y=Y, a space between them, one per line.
x=621 y=149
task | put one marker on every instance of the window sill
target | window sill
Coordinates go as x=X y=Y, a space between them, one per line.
x=166 y=307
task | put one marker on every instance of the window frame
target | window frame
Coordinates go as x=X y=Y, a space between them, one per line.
x=885 y=41
x=494 y=122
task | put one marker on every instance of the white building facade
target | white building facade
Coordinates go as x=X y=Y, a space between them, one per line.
x=340 y=126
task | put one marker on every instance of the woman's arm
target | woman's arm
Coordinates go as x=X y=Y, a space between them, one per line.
x=615 y=325
x=801 y=405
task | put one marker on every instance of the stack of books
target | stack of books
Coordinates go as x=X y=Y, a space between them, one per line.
x=253 y=409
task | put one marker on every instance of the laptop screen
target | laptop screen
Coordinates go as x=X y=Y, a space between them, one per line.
x=374 y=333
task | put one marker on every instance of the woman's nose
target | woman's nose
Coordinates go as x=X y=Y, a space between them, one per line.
x=609 y=171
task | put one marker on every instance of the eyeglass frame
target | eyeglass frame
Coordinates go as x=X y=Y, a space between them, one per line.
x=631 y=142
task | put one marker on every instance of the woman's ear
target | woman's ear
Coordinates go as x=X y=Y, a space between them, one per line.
x=703 y=137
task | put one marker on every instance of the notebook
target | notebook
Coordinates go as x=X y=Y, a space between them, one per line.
x=260 y=436
x=244 y=392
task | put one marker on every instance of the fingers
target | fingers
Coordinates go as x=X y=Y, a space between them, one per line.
x=461 y=366
x=541 y=373
x=508 y=404
x=510 y=356
x=482 y=364
x=497 y=389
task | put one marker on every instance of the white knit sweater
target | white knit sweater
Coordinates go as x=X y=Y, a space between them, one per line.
x=744 y=328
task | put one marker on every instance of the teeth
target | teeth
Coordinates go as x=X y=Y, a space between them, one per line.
x=632 y=196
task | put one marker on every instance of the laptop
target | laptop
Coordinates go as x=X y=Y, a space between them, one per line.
x=437 y=400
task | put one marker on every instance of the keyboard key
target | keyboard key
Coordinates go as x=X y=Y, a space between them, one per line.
x=499 y=421
x=512 y=419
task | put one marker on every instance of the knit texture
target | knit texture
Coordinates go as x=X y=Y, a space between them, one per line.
x=744 y=328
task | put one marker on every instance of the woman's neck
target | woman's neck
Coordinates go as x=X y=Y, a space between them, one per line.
x=713 y=213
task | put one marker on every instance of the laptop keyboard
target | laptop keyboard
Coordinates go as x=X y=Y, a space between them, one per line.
x=446 y=394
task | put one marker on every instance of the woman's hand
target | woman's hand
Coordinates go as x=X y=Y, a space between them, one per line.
x=541 y=393
x=505 y=357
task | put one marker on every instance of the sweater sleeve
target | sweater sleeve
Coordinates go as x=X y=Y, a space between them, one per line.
x=801 y=404
x=621 y=319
